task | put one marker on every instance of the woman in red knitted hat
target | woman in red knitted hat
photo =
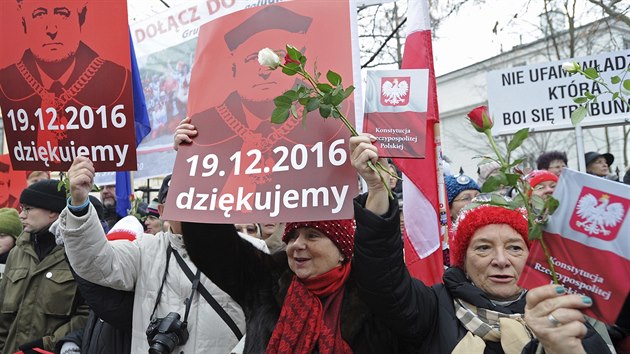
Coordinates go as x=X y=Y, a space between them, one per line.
x=299 y=300
x=480 y=308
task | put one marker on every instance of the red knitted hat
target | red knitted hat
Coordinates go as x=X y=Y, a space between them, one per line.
x=538 y=176
x=340 y=232
x=471 y=220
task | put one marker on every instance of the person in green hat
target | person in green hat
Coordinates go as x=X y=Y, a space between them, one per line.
x=10 y=229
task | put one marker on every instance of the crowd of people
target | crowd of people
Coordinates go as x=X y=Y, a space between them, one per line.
x=115 y=285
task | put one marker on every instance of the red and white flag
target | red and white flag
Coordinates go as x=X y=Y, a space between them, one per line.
x=423 y=185
x=588 y=238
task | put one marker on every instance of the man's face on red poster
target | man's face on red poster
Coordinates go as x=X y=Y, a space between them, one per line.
x=256 y=82
x=52 y=28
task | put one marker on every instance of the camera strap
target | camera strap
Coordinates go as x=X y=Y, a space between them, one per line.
x=206 y=295
x=169 y=250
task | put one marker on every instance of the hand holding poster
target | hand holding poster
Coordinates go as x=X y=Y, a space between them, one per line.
x=589 y=240
x=65 y=87
x=242 y=167
x=396 y=111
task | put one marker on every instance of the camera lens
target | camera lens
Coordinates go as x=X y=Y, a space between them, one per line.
x=158 y=348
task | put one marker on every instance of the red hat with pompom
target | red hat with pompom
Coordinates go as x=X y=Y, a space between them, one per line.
x=471 y=220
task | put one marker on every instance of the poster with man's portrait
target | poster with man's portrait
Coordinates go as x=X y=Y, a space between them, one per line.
x=241 y=167
x=65 y=83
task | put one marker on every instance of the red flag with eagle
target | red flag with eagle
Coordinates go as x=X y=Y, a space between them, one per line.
x=424 y=207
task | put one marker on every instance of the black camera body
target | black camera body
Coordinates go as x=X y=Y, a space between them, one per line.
x=164 y=334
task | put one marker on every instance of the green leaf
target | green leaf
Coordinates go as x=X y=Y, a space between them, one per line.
x=578 y=115
x=589 y=95
x=485 y=160
x=626 y=85
x=348 y=91
x=551 y=204
x=494 y=183
x=580 y=100
x=325 y=88
x=518 y=139
x=512 y=179
x=517 y=202
x=294 y=111
x=291 y=94
x=282 y=101
x=293 y=52
x=535 y=232
x=333 y=78
x=291 y=69
x=517 y=162
x=325 y=110
x=615 y=95
x=327 y=99
x=537 y=202
x=337 y=98
x=615 y=80
x=591 y=73
x=496 y=199
x=312 y=104
x=335 y=114
x=280 y=115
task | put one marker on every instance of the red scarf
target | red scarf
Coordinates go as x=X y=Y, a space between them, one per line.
x=305 y=322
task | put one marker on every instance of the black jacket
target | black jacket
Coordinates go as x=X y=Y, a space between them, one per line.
x=108 y=328
x=424 y=315
x=259 y=283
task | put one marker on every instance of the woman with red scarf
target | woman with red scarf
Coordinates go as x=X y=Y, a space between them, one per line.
x=301 y=300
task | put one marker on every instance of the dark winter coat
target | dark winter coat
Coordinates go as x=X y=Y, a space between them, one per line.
x=259 y=283
x=410 y=308
x=108 y=328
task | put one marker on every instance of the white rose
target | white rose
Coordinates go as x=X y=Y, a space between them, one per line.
x=138 y=195
x=269 y=58
x=571 y=68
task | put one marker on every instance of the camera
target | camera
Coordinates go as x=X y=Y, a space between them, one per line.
x=164 y=334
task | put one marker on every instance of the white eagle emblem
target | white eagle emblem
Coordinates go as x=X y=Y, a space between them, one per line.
x=598 y=216
x=394 y=92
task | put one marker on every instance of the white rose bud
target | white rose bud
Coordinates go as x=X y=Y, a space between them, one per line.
x=571 y=68
x=269 y=58
x=138 y=195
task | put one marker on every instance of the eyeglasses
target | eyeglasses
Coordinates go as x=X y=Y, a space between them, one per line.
x=465 y=198
x=26 y=209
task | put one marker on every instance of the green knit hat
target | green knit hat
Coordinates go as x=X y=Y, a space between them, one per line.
x=10 y=222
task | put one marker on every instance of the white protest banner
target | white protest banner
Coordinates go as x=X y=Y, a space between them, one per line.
x=588 y=238
x=165 y=47
x=540 y=96
x=241 y=167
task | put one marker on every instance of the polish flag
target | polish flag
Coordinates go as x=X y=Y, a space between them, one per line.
x=424 y=207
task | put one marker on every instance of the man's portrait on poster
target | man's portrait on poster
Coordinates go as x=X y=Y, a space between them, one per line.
x=243 y=120
x=60 y=86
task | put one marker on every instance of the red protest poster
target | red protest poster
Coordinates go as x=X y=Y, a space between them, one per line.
x=396 y=111
x=241 y=167
x=588 y=238
x=12 y=183
x=65 y=84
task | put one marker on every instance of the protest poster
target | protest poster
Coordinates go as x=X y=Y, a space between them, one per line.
x=165 y=47
x=241 y=167
x=540 y=96
x=588 y=238
x=396 y=111
x=65 y=86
